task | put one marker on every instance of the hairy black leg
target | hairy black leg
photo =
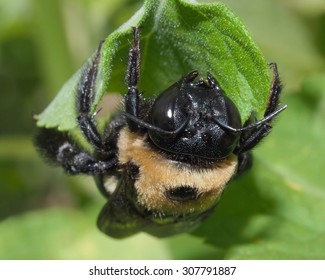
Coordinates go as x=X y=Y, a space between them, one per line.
x=58 y=148
x=111 y=134
x=85 y=99
x=245 y=162
x=276 y=88
x=254 y=136
x=132 y=98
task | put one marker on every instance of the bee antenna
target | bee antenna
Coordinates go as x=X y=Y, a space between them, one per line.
x=156 y=128
x=251 y=126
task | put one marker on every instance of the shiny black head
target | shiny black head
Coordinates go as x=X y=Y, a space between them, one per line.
x=196 y=113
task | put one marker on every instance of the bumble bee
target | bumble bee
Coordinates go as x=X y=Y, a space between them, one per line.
x=162 y=163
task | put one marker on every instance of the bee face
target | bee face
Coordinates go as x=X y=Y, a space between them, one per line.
x=195 y=109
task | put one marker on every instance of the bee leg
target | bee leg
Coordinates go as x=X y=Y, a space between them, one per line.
x=251 y=139
x=60 y=149
x=132 y=98
x=85 y=99
x=245 y=162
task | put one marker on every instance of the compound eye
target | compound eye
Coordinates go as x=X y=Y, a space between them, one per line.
x=231 y=114
x=168 y=110
x=226 y=114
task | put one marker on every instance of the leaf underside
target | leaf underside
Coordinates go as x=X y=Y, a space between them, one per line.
x=176 y=38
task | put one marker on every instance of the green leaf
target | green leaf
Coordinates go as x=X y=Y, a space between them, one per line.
x=176 y=38
x=276 y=27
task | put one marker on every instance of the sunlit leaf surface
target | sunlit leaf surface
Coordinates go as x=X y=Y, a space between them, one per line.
x=177 y=37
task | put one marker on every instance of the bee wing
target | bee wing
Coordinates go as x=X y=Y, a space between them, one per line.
x=119 y=217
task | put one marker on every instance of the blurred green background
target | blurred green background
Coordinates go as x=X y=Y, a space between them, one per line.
x=280 y=204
